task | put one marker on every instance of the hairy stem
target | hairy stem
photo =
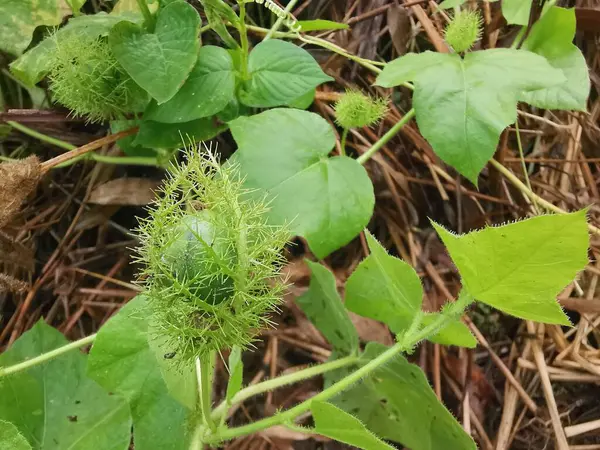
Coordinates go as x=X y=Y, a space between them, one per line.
x=386 y=137
x=409 y=340
x=243 y=39
x=204 y=369
x=280 y=20
x=284 y=380
x=44 y=357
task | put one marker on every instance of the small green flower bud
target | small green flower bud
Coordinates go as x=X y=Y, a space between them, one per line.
x=463 y=31
x=355 y=109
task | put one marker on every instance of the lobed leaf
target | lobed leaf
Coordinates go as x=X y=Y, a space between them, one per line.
x=325 y=309
x=521 y=267
x=54 y=405
x=283 y=153
x=160 y=61
x=337 y=424
x=462 y=105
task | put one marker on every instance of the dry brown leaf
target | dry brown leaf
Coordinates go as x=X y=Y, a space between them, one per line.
x=124 y=191
x=400 y=28
x=371 y=330
x=18 y=179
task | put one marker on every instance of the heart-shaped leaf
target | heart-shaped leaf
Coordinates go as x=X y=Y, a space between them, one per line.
x=160 y=61
x=207 y=91
x=283 y=153
x=552 y=37
x=521 y=267
x=280 y=72
x=462 y=105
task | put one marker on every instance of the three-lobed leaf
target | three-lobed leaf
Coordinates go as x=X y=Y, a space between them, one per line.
x=160 y=61
x=462 y=105
x=207 y=91
x=55 y=406
x=521 y=267
x=552 y=37
x=337 y=424
x=325 y=309
x=279 y=72
x=397 y=403
x=283 y=153
x=122 y=362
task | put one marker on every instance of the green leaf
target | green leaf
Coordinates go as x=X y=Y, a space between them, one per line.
x=126 y=143
x=11 y=439
x=552 y=37
x=397 y=403
x=236 y=372
x=32 y=66
x=454 y=333
x=161 y=61
x=384 y=288
x=75 y=5
x=207 y=91
x=516 y=11
x=337 y=424
x=324 y=308
x=283 y=153
x=19 y=19
x=521 y=267
x=175 y=135
x=462 y=105
x=122 y=362
x=321 y=25
x=447 y=4
x=54 y=405
x=280 y=72
x=304 y=101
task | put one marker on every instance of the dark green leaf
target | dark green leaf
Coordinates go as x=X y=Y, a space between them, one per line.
x=324 y=308
x=521 y=267
x=320 y=25
x=54 y=405
x=175 y=135
x=397 y=403
x=122 y=362
x=11 y=439
x=280 y=72
x=236 y=372
x=161 y=61
x=283 y=153
x=32 y=66
x=126 y=144
x=337 y=424
x=462 y=105
x=207 y=91
x=552 y=37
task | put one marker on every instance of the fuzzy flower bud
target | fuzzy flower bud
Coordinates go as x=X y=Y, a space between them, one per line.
x=211 y=260
x=355 y=109
x=463 y=31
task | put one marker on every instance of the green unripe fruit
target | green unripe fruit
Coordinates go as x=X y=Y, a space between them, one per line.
x=355 y=109
x=463 y=31
x=196 y=256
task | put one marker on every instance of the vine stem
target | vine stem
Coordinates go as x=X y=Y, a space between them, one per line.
x=4 y=371
x=148 y=17
x=283 y=380
x=40 y=136
x=531 y=195
x=204 y=367
x=243 y=39
x=280 y=20
x=386 y=137
x=413 y=336
x=343 y=141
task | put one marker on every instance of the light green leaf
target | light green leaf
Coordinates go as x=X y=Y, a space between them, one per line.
x=280 y=72
x=32 y=66
x=176 y=135
x=462 y=105
x=236 y=372
x=324 y=308
x=161 y=61
x=54 y=405
x=11 y=439
x=455 y=333
x=337 y=424
x=446 y=4
x=552 y=37
x=397 y=403
x=207 y=91
x=75 y=5
x=521 y=267
x=19 y=19
x=304 y=101
x=384 y=288
x=122 y=362
x=321 y=25
x=516 y=11
x=283 y=153
x=133 y=5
